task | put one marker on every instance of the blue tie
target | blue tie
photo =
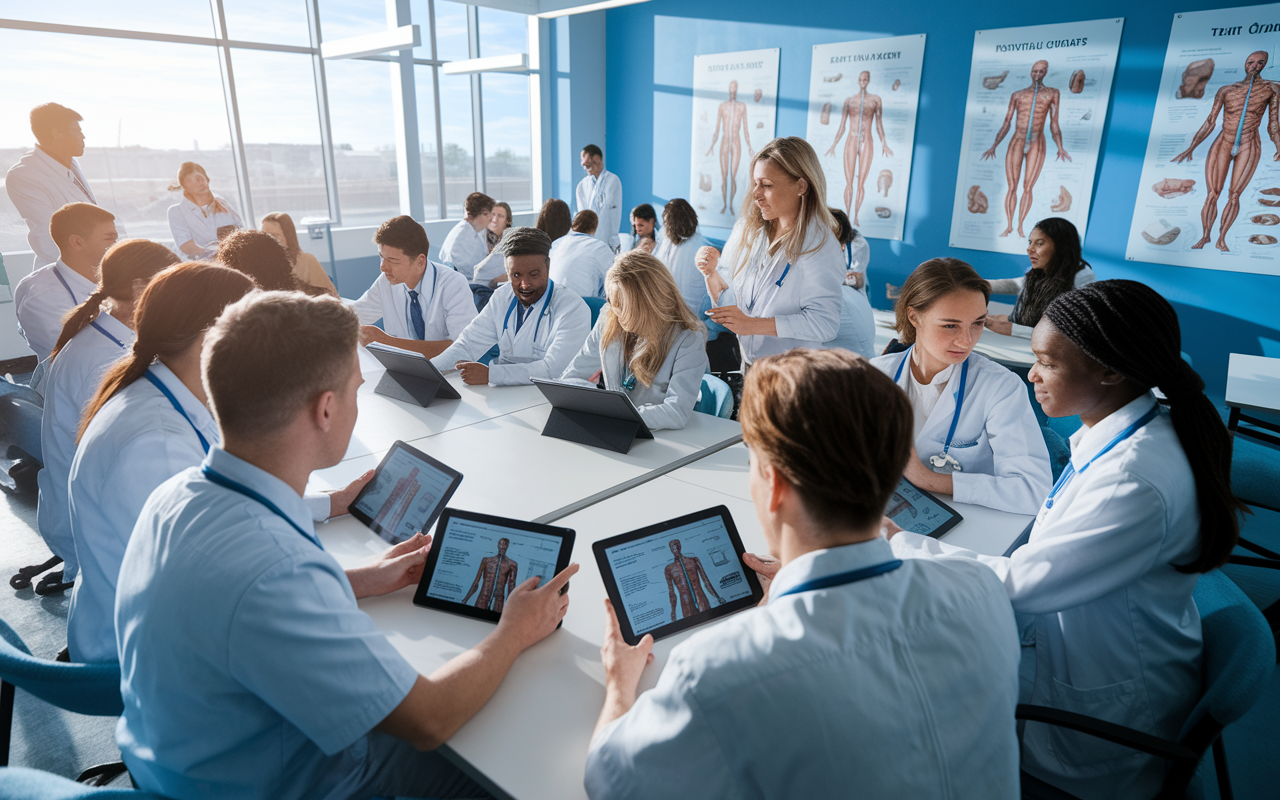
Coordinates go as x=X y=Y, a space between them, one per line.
x=521 y=311
x=415 y=316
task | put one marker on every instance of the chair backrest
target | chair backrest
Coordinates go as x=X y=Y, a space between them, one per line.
x=92 y=689
x=595 y=304
x=1059 y=450
x=19 y=783
x=716 y=398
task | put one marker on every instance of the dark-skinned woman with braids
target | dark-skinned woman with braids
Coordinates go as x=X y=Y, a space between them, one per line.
x=1103 y=586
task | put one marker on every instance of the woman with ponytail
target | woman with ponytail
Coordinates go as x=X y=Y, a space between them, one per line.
x=1104 y=583
x=95 y=333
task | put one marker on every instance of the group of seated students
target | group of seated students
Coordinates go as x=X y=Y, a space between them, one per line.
x=188 y=403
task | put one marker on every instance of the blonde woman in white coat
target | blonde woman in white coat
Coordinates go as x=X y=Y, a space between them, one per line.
x=976 y=437
x=777 y=285
x=646 y=343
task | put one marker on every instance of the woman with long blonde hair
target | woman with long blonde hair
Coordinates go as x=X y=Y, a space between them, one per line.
x=646 y=343
x=201 y=219
x=777 y=285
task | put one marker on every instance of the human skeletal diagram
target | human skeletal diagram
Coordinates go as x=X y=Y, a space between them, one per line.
x=732 y=116
x=496 y=579
x=1238 y=146
x=686 y=577
x=860 y=112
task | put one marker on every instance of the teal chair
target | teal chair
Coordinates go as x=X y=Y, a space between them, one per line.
x=92 y=689
x=595 y=304
x=715 y=399
x=1239 y=656
x=19 y=783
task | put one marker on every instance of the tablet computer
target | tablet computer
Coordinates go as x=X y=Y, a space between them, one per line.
x=913 y=509
x=477 y=560
x=677 y=574
x=593 y=416
x=406 y=494
x=410 y=376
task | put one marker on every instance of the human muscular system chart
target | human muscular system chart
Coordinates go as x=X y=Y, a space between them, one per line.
x=1029 y=109
x=860 y=112
x=686 y=578
x=496 y=578
x=732 y=117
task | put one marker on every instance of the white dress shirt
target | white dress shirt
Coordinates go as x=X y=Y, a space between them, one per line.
x=669 y=401
x=602 y=195
x=1116 y=633
x=464 y=248
x=679 y=260
x=189 y=222
x=70 y=383
x=38 y=186
x=806 y=307
x=900 y=685
x=579 y=262
x=443 y=295
x=1004 y=460
x=1083 y=277
x=553 y=331
x=43 y=298
x=492 y=266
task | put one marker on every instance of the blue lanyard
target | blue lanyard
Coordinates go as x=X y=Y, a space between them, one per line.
x=959 y=395
x=755 y=287
x=107 y=334
x=408 y=301
x=173 y=401
x=58 y=274
x=1071 y=470
x=841 y=578
x=227 y=483
x=551 y=287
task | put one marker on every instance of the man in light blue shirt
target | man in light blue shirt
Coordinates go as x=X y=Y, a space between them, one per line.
x=247 y=668
x=861 y=675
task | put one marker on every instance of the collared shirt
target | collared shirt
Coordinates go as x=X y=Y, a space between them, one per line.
x=189 y=222
x=43 y=298
x=464 y=248
x=235 y=627
x=603 y=195
x=1116 y=631
x=900 y=685
x=443 y=295
x=679 y=261
x=38 y=186
x=70 y=383
x=579 y=262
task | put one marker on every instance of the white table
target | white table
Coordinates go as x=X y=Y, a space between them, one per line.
x=1253 y=385
x=1012 y=351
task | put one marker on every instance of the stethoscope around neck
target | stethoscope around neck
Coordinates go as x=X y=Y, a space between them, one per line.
x=546 y=303
x=944 y=459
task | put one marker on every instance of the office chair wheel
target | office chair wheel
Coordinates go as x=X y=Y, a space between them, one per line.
x=102 y=775
x=23 y=474
x=52 y=584
x=25 y=575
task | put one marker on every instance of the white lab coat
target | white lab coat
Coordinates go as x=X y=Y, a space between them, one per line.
x=534 y=350
x=603 y=195
x=668 y=402
x=1084 y=276
x=464 y=248
x=43 y=298
x=38 y=186
x=70 y=383
x=444 y=296
x=579 y=262
x=857 y=259
x=679 y=260
x=492 y=266
x=806 y=308
x=857 y=332
x=997 y=441
x=1116 y=632
x=189 y=222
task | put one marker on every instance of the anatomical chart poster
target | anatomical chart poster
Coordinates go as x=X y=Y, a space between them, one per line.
x=1210 y=191
x=735 y=109
x=862 y=123
x=1033 y=124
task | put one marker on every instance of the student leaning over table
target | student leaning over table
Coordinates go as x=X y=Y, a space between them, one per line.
x=248 y=669
x=860 y=675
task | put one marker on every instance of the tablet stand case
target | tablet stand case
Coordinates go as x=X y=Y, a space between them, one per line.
x=594 y=430
x=408 y=388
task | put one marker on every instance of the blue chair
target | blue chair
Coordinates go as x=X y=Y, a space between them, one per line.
x=1059 y=450
x=92 y=689
x=715 y=399
x=595 y=304
x=1239 y=656
x=19 y=783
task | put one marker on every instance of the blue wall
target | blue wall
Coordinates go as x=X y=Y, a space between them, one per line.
x=649 y=116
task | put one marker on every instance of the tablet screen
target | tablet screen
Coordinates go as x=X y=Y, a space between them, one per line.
x=913 y=509
x=406 y=494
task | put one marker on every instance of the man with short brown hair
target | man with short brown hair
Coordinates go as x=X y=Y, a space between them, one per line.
x=468 y=244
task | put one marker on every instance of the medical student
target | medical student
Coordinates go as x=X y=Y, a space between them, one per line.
x=1105 y=581
x=148 y=422
x=424 y=306
x=777 y=285
x=307 y=271
x=601 y=192
x=554 y=219
x=202 y=218
x=97 y=333
x=579 y=261
x=644 y=225
x=976 y=436
x=262 y=257
x=537 y=326
x=468 y=243
x=82 y=233
x=834 y=686
x=498 y=223
x=229 y=602
x=680 y=242
x=1056 y=267
x=646 y=342
x=48 y=176
x=857 y=325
